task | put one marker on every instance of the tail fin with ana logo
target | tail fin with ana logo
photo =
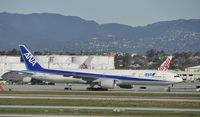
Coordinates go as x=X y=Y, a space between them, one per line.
x=29 y=60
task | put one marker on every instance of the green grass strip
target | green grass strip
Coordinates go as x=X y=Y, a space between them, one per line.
x=96 y=112
x=102 y=103
x=107 y=93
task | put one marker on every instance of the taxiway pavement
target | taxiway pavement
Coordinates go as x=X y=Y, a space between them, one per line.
x=181 y=87
x=88 y=97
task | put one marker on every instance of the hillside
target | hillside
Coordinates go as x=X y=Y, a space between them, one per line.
x=56 y=32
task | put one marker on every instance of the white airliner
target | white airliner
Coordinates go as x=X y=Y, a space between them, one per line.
x=105 y=79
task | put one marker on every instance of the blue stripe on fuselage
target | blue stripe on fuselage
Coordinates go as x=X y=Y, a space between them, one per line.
x=93 y=75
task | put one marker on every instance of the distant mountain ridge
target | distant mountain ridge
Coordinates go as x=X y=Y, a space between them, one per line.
x=54 y=32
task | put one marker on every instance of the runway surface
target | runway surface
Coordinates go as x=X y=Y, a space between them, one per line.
x=102 y=108
x=181 y=87
x=88 y=97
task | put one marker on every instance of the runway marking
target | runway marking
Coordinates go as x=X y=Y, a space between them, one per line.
x=102 y=108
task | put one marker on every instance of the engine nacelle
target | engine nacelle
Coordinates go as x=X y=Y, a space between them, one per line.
x=126 y=86
x=107 y=83
x=26 y=79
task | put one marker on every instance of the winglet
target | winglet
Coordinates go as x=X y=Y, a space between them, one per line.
x=29 y=59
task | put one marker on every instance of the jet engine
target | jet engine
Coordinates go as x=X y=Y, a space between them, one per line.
x=126 y=86
x=107 y=83
x=27 y=79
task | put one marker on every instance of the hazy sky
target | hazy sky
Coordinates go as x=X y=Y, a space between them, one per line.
x=130 y=12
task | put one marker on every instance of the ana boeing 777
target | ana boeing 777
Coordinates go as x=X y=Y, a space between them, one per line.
x=105 y=79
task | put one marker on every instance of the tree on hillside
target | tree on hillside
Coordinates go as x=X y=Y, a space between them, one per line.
x=2 y=52
x=13 y=52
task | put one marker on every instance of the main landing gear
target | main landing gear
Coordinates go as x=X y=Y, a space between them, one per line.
x=96 y=87
x=68 y=87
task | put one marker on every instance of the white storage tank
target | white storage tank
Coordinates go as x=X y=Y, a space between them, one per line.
x=9 y=59
x=98 y=62
x=15 y=66
x=54 y=61
x=79 y=59
x=64 y=66
x=61 y=59
x=42 y=59
x=103 y=62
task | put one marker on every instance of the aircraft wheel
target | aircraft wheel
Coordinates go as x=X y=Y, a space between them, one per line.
x=168 y=89
x=67 y=88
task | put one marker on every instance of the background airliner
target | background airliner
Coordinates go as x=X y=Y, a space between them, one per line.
x=105 y=79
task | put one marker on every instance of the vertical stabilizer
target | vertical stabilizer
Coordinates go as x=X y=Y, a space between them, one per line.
x=29 y=59
x=165 y=65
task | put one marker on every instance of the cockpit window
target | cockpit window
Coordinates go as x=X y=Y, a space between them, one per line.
x=176 y=76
